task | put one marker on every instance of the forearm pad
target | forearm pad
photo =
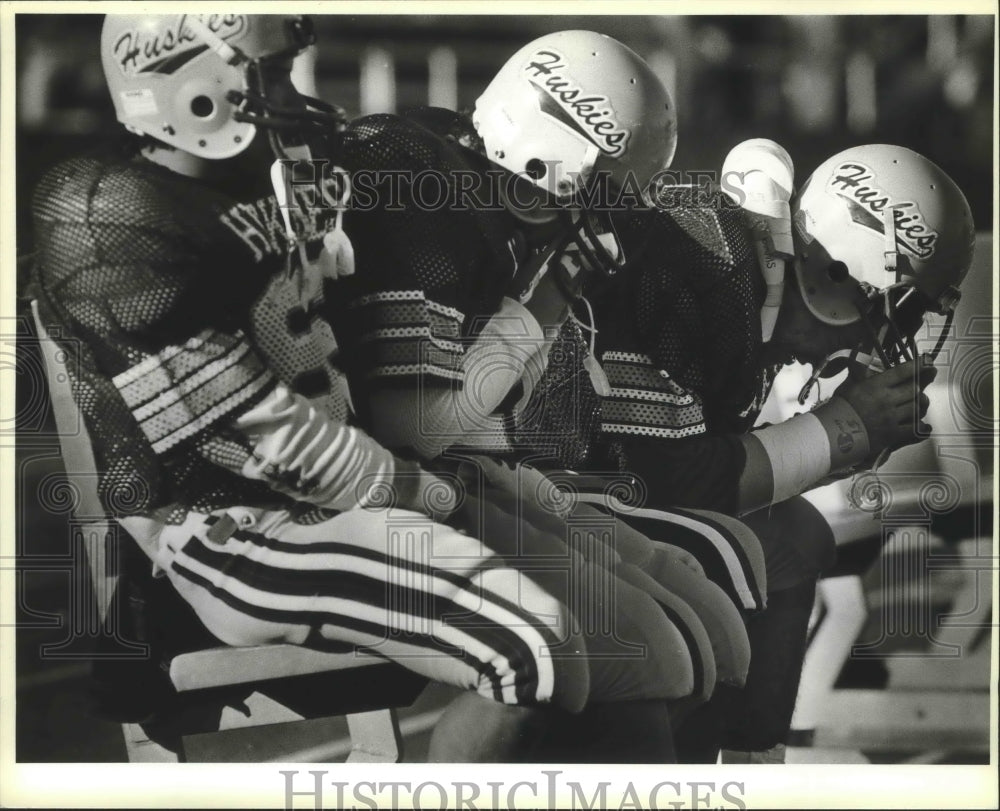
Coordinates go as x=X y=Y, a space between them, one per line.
x=789 y=458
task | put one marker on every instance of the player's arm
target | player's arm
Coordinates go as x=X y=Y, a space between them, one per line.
x=861 y=420
x=432 y=353
x=698 y=472
x=510 y=350
x=215 y=393
x=302 y=453
x=194 y=380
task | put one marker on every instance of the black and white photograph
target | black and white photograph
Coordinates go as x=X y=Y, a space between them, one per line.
x=477 y=405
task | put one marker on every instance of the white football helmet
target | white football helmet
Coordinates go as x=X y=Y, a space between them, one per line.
x=573 y=109
x=573 y=103
x=192 y=80
x=760 y=177
x=884 y=236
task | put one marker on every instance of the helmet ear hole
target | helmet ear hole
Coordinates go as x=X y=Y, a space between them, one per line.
x=535 y=169
x=838 y=272
x=202 y=106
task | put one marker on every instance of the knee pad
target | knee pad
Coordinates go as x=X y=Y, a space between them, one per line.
x=727 y=549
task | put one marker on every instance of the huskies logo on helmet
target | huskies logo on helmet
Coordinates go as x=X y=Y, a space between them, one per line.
x=867 y=203
x=562 y=98
x=168 y=49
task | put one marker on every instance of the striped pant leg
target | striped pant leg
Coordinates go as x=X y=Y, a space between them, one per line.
x=667 y=574
x=672 y=576
x=423 y=595
x=635 y=649
x=727 y=549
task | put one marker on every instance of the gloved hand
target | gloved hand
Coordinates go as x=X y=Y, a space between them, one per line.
x=892 y=404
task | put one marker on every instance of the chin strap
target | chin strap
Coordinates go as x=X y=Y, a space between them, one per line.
x=578 y=249
x=598 y=379
x=336 y=257
x=870 y=363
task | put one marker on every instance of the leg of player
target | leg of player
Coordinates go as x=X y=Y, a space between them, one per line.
x=798 y=544
x=436 y=601
x=451 y=610
x=632 y=727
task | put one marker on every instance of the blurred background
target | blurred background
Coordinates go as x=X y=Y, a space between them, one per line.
x=816 y=84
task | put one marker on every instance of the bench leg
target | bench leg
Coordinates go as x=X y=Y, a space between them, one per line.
x=846 y=612
x=374 y=737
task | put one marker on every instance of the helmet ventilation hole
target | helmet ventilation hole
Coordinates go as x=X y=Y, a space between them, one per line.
x=202 y=106
x=535 y=169
x=838 y=272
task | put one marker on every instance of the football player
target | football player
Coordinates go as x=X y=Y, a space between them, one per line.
x=731 y=286
x=459 y=293
x=187 y=274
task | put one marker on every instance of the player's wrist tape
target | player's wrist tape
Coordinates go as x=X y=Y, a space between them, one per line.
x=799 y=453
x=846 y=433
x=808 y=447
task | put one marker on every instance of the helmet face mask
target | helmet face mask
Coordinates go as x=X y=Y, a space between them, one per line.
x=580 y=117
x=882 y=237
x=196 y=82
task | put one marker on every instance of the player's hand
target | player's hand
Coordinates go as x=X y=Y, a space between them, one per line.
x=549 y=302
x=892 y=404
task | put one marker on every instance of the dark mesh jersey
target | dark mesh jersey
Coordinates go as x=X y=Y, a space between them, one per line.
x=429 y=272
x=679 y=341
x=560 y=424
x=174 y=303
x=691 y=309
